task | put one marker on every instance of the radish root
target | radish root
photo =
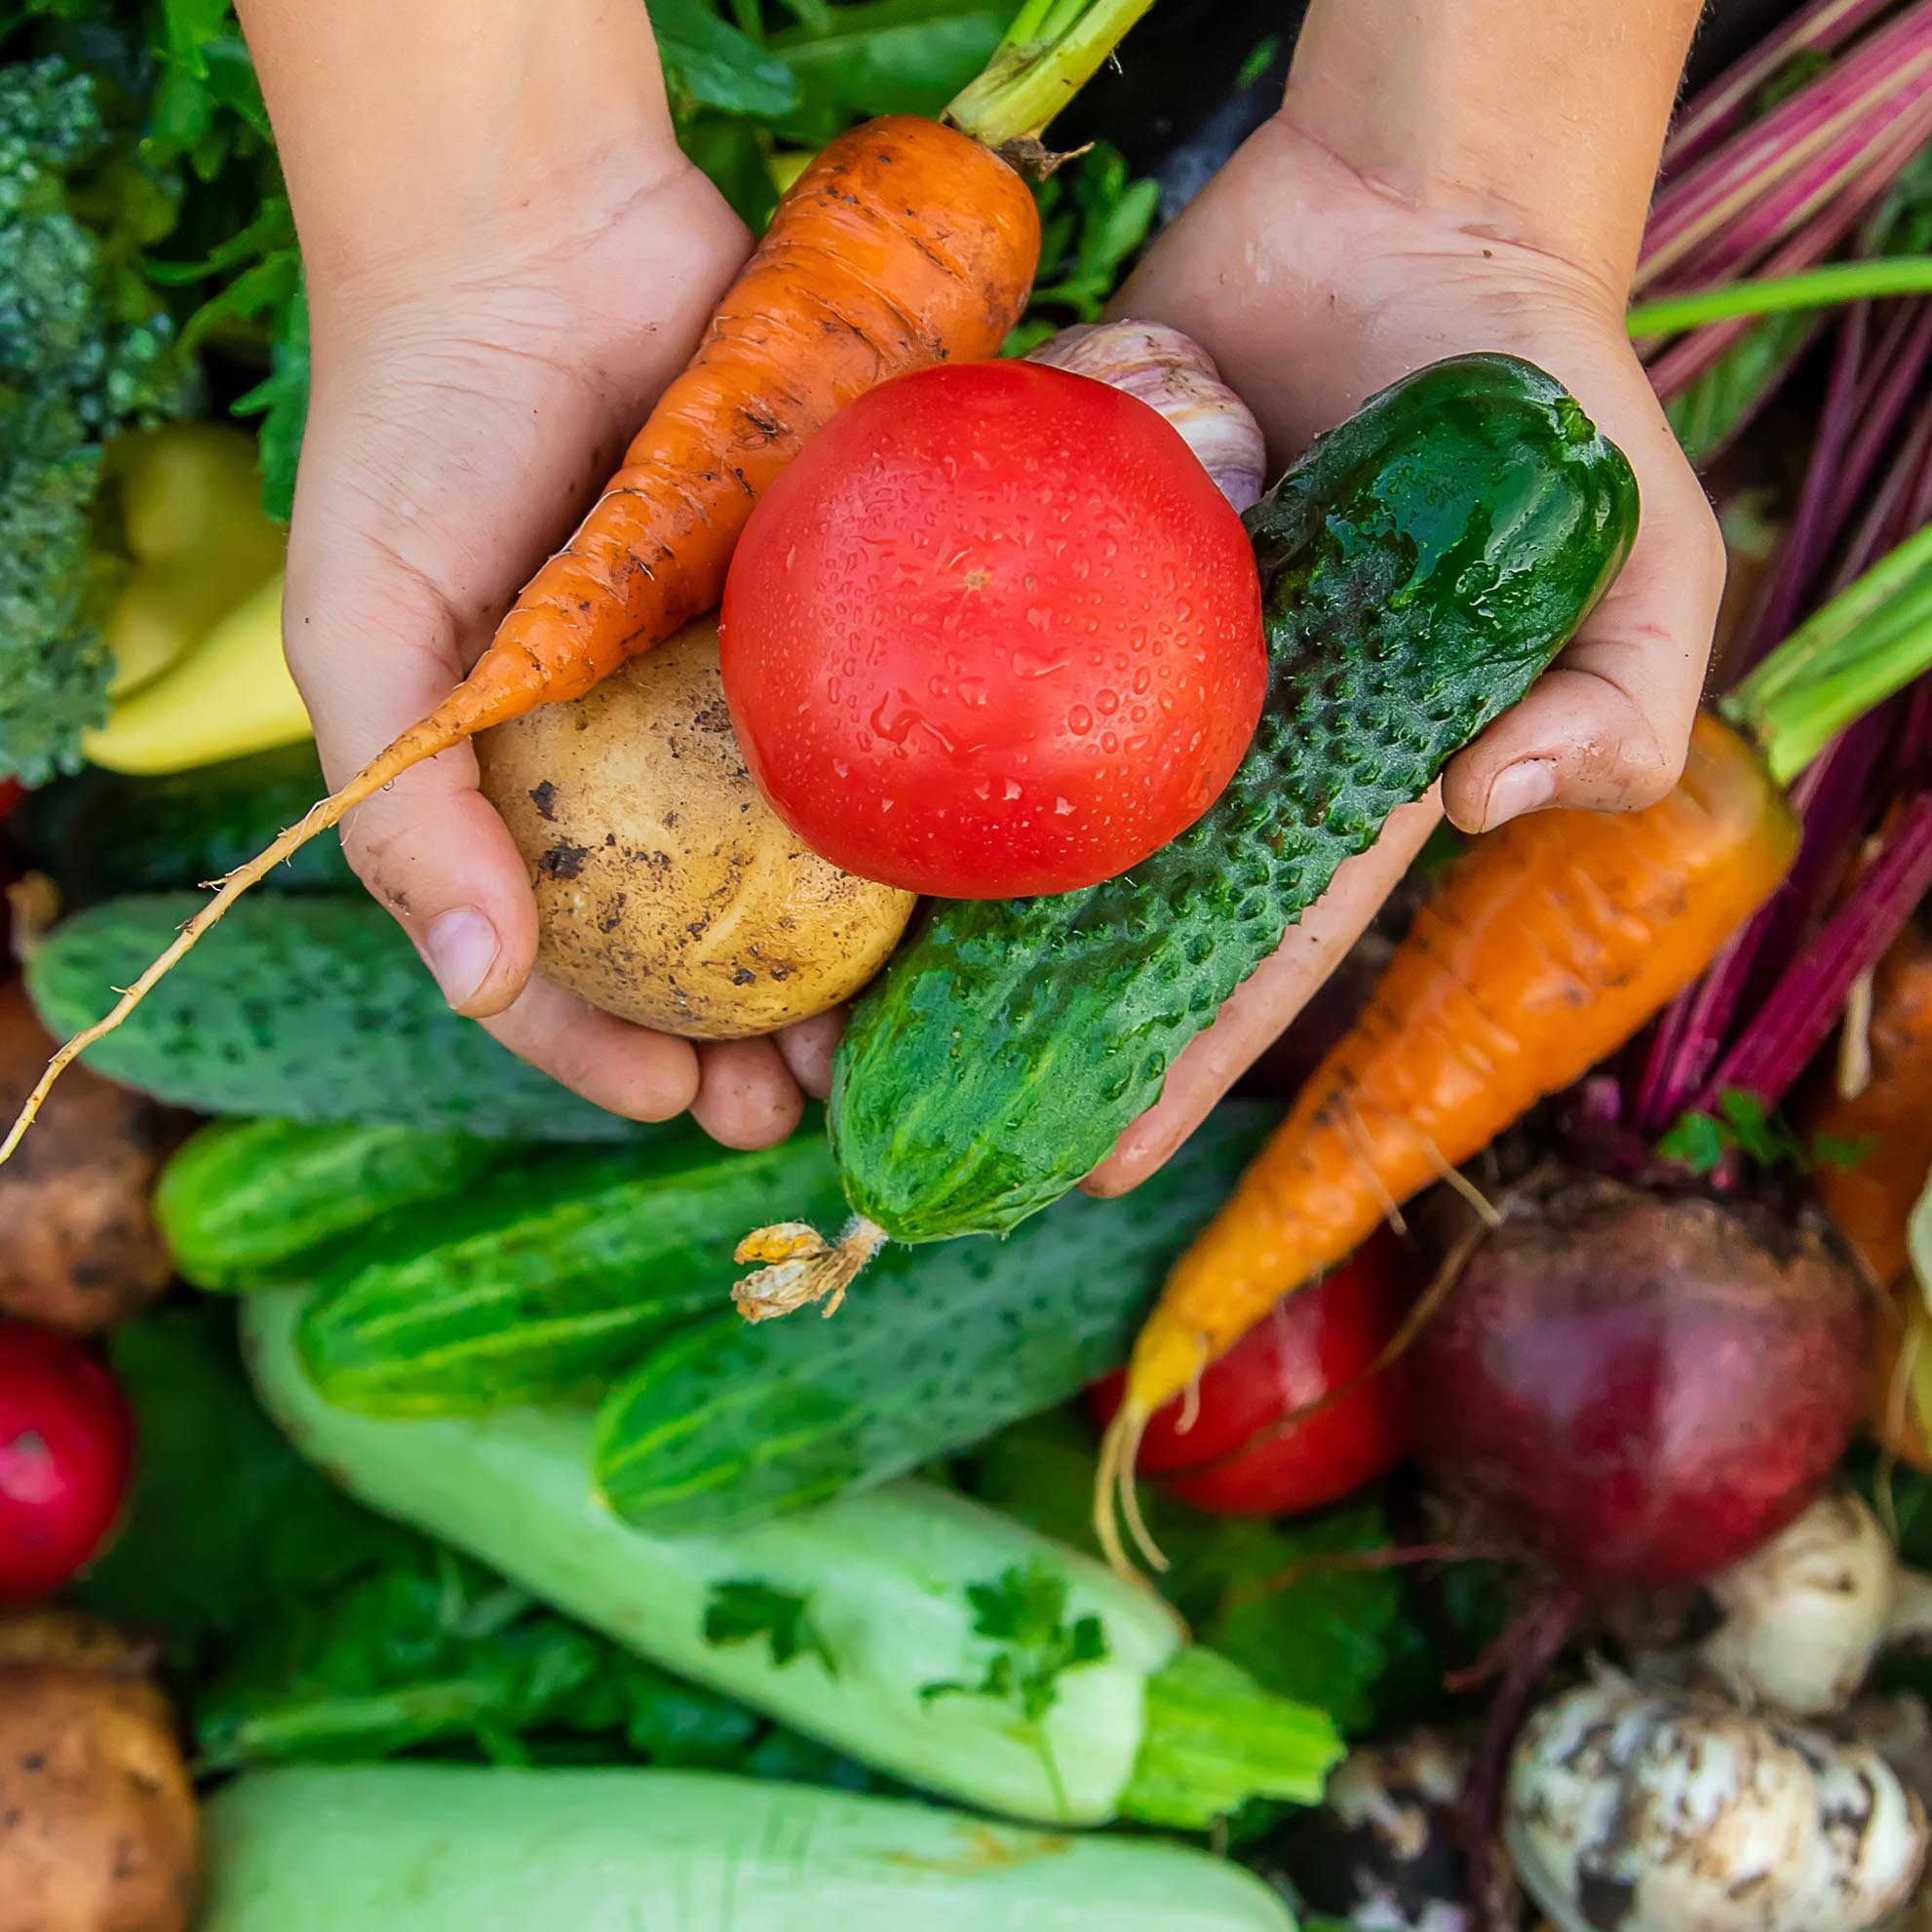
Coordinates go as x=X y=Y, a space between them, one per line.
x=801 y=1268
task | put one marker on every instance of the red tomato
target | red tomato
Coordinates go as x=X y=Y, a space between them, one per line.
x=10 y=794
x=1310 y=1344
x=66 y=1450
x=994 y=633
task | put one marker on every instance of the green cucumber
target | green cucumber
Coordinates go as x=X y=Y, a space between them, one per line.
x=550 y=1279
x=252 y=1203
x=730 y=1422
x=1421 y=565
x=310 y=1007
x=104 y=833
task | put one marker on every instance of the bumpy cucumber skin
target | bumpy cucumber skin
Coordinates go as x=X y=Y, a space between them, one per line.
x=254 y=1203
x=1422 y=565
x=104 y=833
x=310 y=1008
x=550 y=1278
x=730 y=1423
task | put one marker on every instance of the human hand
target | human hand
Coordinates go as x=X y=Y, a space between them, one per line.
x=485 y=342
x=1313 y=282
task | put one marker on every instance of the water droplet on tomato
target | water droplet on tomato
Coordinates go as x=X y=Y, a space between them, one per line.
x=1035 y=661
x=1079 y=721
x=1106 y=701
x=894 y=716
x=1109 y=743
x=1010 y=791
x=1063 y=807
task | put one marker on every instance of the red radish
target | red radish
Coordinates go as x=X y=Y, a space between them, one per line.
x=996 y=632
x=1228 y=1457
x=1639 y=1390
x=67 y=1451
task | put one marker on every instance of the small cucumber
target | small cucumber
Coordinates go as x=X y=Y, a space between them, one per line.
x=549 y=1280
x=310 y=1007
x=729 y=1422
x=1422 y=565
x=254 y=1203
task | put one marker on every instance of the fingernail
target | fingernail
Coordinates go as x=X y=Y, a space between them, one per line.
x=1518 y=788
x=462 y=947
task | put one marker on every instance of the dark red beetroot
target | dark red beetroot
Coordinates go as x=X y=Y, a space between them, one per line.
x=66 y=1449
x=1639 y=1390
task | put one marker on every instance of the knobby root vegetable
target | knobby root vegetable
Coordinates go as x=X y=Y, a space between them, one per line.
x=1797 y=1624
x=1384 y=1847
x=78 y=1246
x=97 y=1823
x=1549 y=945
x=667 y=891
x=1637 y=1390
x=1664 y=1811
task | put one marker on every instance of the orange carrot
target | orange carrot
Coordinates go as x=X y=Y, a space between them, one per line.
x=1872 y=1198
x=1552 y=942
x=1890 y=1116
x=906 y=244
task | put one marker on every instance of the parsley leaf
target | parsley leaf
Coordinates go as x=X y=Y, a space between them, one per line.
x=742 y=1613
x=1025 y=1611
x=1743 y=1127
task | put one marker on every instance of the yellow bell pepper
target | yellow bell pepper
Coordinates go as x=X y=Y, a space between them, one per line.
x=200 y=542
x=232 y=694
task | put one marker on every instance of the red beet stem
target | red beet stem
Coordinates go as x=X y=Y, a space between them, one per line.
x=1533 y=1644
x=1862 y=97
x=1822 y=27
x=1804 y=1005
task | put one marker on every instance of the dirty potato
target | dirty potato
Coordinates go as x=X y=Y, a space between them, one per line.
x=97 y=1825
x=78 y=1246
x=667 y=891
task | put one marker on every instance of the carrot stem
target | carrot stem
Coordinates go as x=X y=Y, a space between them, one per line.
x=1050 y=52
x=1818 y=288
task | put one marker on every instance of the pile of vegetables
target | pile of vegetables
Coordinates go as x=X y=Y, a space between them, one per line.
x=1527 y=1430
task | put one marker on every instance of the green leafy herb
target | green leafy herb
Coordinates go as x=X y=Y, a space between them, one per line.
x=1280 y=1600
x=1095 y=219
x=225 y=1519
x=745 y=1612
x=1026 y=1613
x=1702 y=1141
x=711 y=64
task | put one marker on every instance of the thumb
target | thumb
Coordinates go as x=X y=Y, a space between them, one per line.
x=372 y=653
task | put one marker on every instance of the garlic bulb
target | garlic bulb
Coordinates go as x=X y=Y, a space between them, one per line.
x=1176 y=376
x=1634 y=1810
